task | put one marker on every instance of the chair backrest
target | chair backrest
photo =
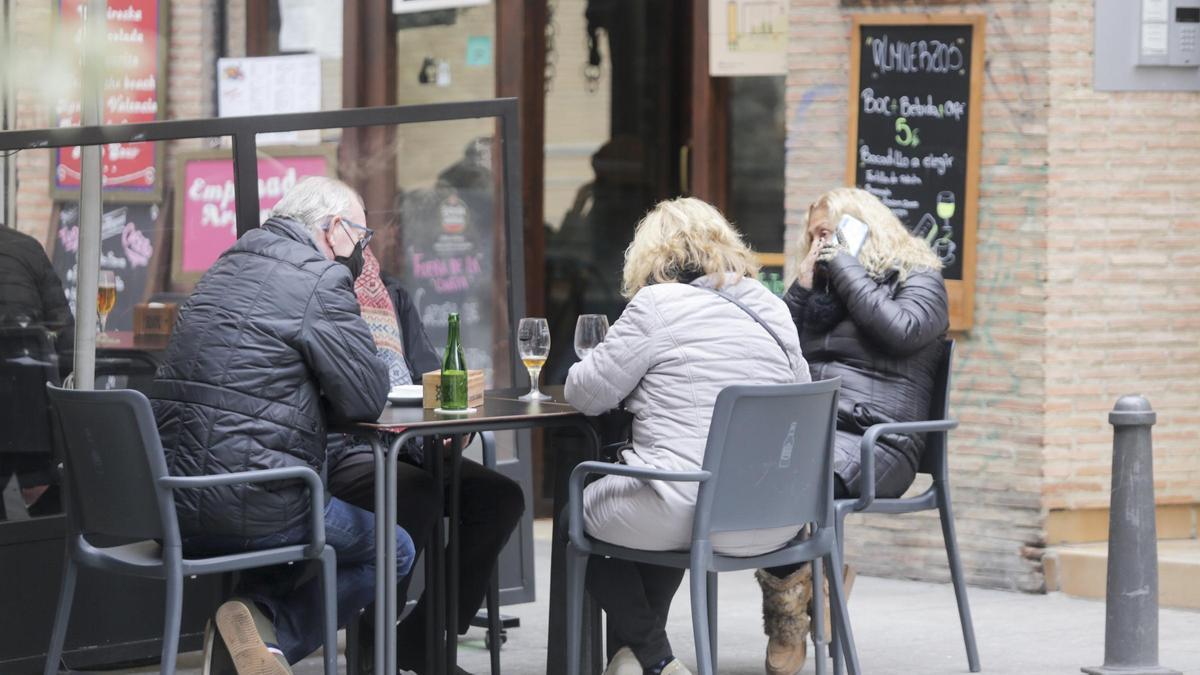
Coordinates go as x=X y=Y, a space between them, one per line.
x=113 y=460
x=932 y=461
x=770 y=452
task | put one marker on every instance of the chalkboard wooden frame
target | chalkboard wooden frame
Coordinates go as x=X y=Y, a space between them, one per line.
x=181 y=280
x=961 y=292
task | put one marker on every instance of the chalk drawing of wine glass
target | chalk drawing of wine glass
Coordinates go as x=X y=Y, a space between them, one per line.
x=945 y=206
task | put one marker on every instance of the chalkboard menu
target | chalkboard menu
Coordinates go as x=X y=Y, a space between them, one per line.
x=915 y=129
x=129 y=239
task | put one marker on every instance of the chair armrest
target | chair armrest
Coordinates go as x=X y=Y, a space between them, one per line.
x=867 y=451
x=585 y=469
x=488 y=440
x=316 y=492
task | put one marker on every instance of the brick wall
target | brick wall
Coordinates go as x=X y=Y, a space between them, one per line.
x=1123 y=285
x=235 y=28
x=31 y=21
x=189 y=89
x=1000 y=371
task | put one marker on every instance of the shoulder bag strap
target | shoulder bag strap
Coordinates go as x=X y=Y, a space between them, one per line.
x=753 y=315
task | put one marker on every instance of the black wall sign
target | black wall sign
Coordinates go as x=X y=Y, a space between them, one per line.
x=912 y=141
x=128 y=244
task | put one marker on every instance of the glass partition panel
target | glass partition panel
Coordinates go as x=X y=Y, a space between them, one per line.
x=152 y=252
x=37 y=280
x=433 y=197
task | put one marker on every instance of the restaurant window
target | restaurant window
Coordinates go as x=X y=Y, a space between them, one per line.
x=757 y=143
x=613 y=137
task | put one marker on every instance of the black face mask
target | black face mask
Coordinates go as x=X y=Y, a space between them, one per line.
x=354 y=261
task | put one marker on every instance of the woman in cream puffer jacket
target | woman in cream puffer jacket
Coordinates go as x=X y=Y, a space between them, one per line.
x=675 y=347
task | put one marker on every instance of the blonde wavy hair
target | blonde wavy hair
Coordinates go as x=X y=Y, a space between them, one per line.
x=684 y=236
x=890 y=245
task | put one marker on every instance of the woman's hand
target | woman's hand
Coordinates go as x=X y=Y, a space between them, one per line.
x=805 y=279
x=822 y=250
x=828 y=250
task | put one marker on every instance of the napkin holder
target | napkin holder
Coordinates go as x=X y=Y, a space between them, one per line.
x=432 y=383
x=154 y=318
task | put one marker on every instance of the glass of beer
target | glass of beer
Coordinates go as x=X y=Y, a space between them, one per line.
x=106 y=299
x=533 y=344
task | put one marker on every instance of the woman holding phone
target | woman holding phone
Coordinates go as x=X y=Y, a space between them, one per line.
x=875 y=318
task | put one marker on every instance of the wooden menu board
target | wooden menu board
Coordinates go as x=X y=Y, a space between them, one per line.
x=914 y=136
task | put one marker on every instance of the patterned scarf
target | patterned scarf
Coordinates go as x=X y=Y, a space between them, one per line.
x=380 y=315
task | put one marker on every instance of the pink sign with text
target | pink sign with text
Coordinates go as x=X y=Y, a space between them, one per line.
x=209 y=210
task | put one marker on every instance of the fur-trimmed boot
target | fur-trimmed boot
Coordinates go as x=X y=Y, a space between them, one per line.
x=785 y=619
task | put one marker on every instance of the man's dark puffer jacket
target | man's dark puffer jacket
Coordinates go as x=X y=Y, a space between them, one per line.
x=270 y=341
x=30 y=290
x=885 y=346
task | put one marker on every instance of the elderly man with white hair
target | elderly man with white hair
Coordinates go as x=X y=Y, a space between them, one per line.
x=271 y=343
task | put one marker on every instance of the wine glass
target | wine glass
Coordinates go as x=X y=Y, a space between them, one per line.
x=106 y=299
x=590 y=330
x=533 y=343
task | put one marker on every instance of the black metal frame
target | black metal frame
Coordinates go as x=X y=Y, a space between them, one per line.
x=244 y=132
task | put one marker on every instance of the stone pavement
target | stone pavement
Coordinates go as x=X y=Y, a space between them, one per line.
x=902 y=627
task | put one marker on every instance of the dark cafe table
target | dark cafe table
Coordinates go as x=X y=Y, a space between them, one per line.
x=501 y=411
x=126 y=340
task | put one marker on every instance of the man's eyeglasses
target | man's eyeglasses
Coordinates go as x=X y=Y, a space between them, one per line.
x=366 y=235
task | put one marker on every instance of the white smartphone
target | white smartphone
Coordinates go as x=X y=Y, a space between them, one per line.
x=853 y=233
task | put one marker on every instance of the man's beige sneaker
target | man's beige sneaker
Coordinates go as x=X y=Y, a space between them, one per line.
x=623 y=663
x=242 y=627
x=676 y=667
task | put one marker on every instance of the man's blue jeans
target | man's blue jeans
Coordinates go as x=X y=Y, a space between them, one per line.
x=292 y=598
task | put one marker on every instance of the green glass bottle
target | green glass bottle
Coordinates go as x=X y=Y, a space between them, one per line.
x=454 y=370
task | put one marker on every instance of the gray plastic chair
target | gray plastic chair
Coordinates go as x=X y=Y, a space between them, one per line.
x=768 y=463
x=118 y=487
x=934 y=462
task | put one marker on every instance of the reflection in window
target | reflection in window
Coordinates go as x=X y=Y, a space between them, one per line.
x=36 y=332
x=756 y=150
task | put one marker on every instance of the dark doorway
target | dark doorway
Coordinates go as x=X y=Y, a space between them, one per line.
x=637 y=166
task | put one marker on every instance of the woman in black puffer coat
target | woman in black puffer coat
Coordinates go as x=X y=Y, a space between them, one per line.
x=874 y=320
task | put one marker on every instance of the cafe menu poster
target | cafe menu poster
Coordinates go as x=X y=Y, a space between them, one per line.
x=747 y=37
x=134 y=64
x=271 y=85
x=915 y=132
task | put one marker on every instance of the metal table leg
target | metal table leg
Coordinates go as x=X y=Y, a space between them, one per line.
x=385 y=630
x=435 y=565
x=451 y=574
x=381 y=557
x=592 y=652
